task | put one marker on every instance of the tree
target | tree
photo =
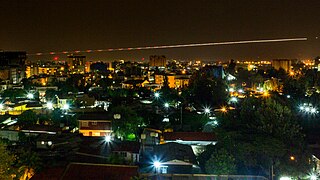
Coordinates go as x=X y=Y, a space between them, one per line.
x=28 y=163
x=27 y=118
x=51 y=94
x=55 y=116
x=264 y=132
x=232 y=67
x=6 y=162
x=12 y=94
x=207 y=91
x=221 y=162
x=128 y=123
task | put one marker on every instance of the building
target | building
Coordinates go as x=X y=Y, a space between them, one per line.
x=95 y=124
x=158 y=61
x=284 y=64
x=13 y=58
x=130 y=84
x=149 y=138
x=197 y=140
x=128 y=150
x=12 y=65
x=77 y=64
x=175 y=158
x=174 y=81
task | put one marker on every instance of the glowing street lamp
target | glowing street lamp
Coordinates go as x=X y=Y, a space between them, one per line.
x=292 y=158
x=49 y=105
x=234 y=99
x=30 y=96
x=66 y=106
x=265 y=94
x=231 y=89
x=301 y=108
x=156 y=94
x=224 y=109
x=313 y=177
x=166 y=105
x=107 y=138
x=156 y=164
x=207 y=110
x=308 y=108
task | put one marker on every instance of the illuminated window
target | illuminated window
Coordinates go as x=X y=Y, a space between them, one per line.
x=84 y=124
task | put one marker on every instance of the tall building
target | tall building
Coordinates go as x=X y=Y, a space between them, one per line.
x=282 y=63
x=77 y=64
x=13 y=58
x=158 y=61
x=12 y=65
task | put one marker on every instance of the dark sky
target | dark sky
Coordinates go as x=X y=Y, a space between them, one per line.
x=58 y=25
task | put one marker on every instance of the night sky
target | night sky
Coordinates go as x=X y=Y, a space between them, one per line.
x=58 y=25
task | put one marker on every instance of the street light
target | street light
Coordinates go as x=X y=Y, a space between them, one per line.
x=234 y=99
x=66 y=106
x=231 y=89
x=166 y=105
x=49 y=105
x=313 y=177
x=156 y=164
x=224 y=109
x=292 y=158
x=107 y=138
x=308 y=108
x=207 y=110
x=30 y=96
x=156 y=94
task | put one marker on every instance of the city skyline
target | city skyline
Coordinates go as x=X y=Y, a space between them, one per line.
x=45 y=26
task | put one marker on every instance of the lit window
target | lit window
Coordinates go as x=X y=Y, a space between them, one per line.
x=85 y=124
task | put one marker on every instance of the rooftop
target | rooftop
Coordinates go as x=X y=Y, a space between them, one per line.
x=189 y=136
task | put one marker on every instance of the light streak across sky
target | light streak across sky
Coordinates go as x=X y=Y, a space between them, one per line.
x=172 y=46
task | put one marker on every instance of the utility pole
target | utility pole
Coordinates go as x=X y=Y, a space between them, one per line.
x=181 y=115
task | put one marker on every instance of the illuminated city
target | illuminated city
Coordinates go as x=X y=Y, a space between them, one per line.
x=141 y=90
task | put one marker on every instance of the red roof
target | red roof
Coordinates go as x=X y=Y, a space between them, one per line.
x=53 y=173
x=189 y=136
x=99 y=171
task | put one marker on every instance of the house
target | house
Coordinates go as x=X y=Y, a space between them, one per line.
x=197 y=140
x=175 y=158
x=85 y=100
x=64 y=145
x=44 y=141
x=149 y=138
x=95 y=124
x=9 y=135
x=128 y=150
x=129 y=84
x=37 y=129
